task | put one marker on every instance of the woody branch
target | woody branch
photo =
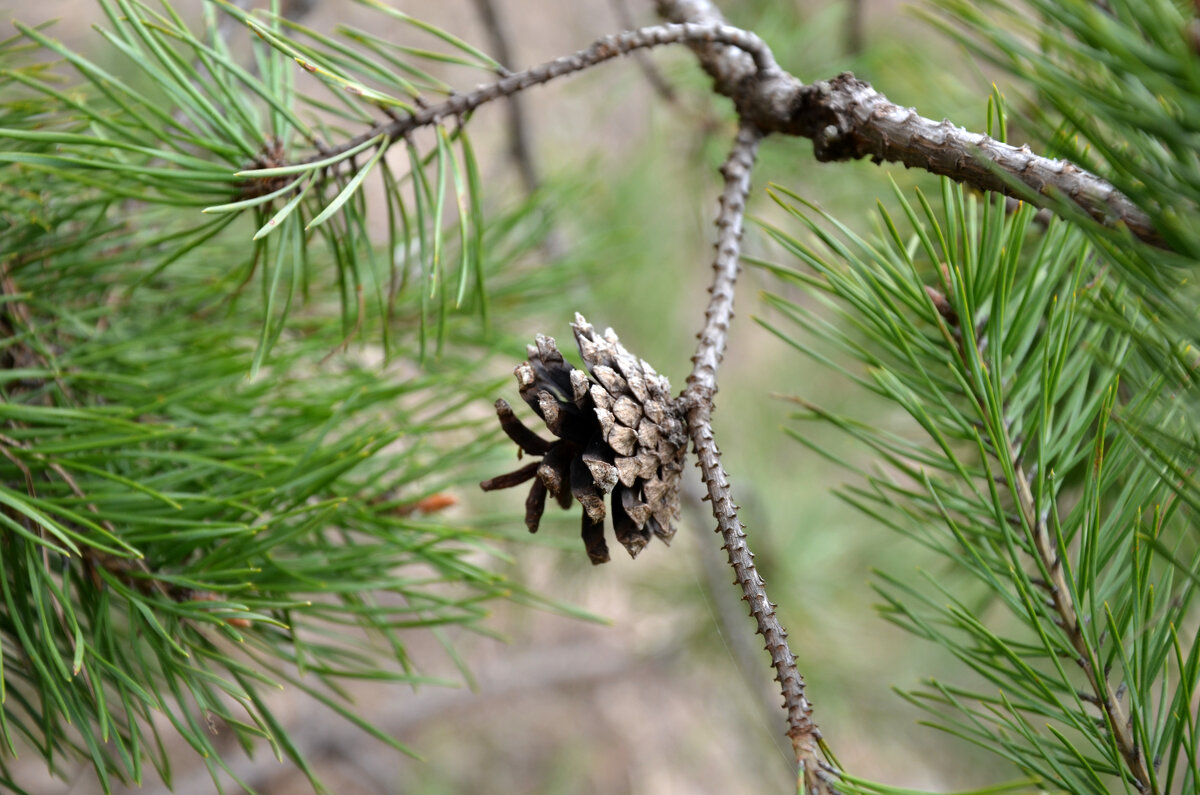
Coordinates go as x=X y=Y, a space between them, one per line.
x=698 y=401
x=845 y=117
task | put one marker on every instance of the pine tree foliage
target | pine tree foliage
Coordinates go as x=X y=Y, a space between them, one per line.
x=203 y=498
x=237 y=145
x=1112 y=87
x=1048 y=373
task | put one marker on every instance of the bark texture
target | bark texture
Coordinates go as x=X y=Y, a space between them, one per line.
x=847 y=119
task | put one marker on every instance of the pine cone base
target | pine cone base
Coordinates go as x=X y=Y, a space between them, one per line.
x=619 y=434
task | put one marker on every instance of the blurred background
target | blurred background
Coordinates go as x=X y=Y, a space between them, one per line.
x=670 y=692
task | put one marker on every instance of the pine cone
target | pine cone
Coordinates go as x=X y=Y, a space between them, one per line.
x=619 y=432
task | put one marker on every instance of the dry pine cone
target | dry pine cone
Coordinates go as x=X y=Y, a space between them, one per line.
x=619 y=432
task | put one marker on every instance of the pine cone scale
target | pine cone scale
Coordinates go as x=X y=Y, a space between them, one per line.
x=593 y=540
x=629 y=532
x=598 y=458
x=627 y=411
x=623 y=440
x=627 y=469
x=535 y=505
x=639 y=512
x=516 y=430
x=510 y=479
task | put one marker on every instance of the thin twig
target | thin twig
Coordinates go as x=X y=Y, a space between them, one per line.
x=602 y=50
x=518 y=124
x=855 y=33
x=1054 y=581
x=1068 y=619
x=816 y=774
x=845 y=117
x=727 y=614
x=736 y=170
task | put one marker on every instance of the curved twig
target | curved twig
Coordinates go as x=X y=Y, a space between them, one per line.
x=602 y=50
x=816 y=774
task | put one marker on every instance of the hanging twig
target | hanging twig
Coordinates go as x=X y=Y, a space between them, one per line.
x=729 y=619
x=816 y=774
